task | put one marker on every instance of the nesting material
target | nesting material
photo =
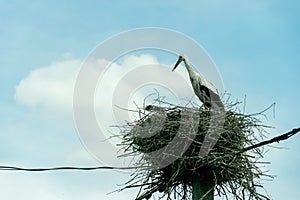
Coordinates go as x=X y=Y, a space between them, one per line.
x=170 y=171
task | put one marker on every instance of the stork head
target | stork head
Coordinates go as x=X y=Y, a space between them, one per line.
x=180 y=59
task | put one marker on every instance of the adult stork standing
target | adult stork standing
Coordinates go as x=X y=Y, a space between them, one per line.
x=205 y=90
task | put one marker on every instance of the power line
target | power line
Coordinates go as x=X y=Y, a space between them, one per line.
x=13 y=168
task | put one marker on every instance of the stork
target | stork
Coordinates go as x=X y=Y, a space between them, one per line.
x=205 y=90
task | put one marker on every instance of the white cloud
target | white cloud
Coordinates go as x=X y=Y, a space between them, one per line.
x=50 y=87
x=53 y=85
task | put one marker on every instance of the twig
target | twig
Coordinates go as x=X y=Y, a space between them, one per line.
x=275 y=139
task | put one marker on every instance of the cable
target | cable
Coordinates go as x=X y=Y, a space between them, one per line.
x=13 y=168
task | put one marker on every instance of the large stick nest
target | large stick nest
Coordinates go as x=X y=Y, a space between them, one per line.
x=236 y=175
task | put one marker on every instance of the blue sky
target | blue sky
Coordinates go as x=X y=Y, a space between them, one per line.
x=255 y=45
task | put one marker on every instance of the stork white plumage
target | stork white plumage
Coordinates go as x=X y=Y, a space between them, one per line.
x=205 y=90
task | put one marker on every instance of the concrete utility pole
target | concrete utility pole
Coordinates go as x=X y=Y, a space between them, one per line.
x=203 y=189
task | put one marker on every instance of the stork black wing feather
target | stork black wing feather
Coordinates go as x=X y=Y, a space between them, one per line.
x=212 y=95
x=206 y=90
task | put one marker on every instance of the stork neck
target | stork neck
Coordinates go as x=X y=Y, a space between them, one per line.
x=188 y=66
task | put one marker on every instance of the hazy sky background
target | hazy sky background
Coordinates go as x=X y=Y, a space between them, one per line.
x=255 y=45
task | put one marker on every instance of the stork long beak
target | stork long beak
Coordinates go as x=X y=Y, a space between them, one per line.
x=177 y=63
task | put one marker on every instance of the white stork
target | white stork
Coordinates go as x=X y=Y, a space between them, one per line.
x=205 y=90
